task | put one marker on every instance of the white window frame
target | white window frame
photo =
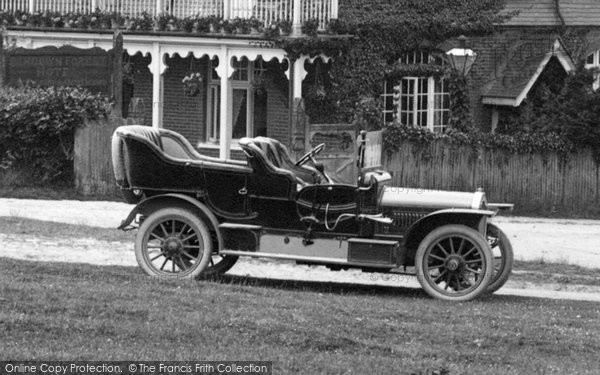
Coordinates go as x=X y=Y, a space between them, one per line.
x=395 y=92
x=594 y=64
x=414 y=114
x=213 y=106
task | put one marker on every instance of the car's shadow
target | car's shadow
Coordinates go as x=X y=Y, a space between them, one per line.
x=341 y=288
x=344 y=288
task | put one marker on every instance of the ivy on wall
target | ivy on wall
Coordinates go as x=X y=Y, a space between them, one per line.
x=518 y=143
x=385 y=29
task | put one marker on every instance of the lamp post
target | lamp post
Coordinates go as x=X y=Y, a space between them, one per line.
x=462 y=58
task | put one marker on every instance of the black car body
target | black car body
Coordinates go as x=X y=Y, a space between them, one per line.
x=198 y=214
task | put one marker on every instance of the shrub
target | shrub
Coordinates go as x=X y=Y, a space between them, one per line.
x=37 y=127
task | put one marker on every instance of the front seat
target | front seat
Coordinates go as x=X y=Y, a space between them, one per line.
x=278 y=154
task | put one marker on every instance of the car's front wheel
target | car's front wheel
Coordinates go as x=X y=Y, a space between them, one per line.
x=503 y=257
x=454 y=262
x=173 y=242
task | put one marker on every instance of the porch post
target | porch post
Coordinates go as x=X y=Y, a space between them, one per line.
x=160 y=6
x=298 y=74
x=297 y=116
x=31 y=6
x=3 y=57
x=117 y=78
x=157 y=67
x=225 y=130
x=226 y=9
x=334 y=9
x=296 y=20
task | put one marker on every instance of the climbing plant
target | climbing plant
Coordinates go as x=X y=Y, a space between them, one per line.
x=382 y=31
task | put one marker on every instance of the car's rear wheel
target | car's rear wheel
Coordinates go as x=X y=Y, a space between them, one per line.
x=173 y=242
x=503 y=257
x=454 y=262
x=218 y=265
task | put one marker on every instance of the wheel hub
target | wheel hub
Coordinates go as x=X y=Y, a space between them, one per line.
x=453 y=263
x=172 y=246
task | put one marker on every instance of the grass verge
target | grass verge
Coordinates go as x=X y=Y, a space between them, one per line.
x=77 y=311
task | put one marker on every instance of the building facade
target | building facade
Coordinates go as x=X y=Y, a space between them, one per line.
x=207 y=69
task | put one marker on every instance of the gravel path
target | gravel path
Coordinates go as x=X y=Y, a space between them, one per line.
x=554 y=240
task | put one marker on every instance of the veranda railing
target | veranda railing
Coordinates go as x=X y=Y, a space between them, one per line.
x=268 y=11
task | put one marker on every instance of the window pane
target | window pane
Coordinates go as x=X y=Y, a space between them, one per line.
x=423 y=118
x=389 y=117
x=590 y=59
x=239 y=107
x=260 y=114
x=446 y=101
x=404 y=118
x=241 y=69
x=213 y=130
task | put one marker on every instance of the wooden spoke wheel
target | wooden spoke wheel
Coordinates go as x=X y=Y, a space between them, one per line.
x=173 y=242
x=454 y=262
x=218 y=265
x=503 y=257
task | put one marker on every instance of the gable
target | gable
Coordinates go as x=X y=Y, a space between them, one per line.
x=513 y=84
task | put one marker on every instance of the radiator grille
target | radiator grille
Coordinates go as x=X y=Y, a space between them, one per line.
x=403 y=220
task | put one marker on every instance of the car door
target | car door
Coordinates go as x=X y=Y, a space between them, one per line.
x=227 y=192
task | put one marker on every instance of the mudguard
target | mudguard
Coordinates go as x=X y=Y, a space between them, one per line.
x=149 y=205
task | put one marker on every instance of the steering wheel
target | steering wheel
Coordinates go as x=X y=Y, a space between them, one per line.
x=309 y=155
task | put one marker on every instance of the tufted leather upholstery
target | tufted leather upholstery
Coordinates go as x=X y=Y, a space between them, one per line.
x=261 y=161
x=278 y=154
x=166 y=142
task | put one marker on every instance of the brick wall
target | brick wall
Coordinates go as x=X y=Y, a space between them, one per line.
x=187 y=115
x=181 y=113
x=277 y=115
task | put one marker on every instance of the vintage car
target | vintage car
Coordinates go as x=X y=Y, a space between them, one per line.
x=198 y=214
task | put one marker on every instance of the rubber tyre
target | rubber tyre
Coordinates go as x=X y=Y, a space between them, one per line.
x=450 y=232
x=499 y=243
x=197 y=229
x=220 y=265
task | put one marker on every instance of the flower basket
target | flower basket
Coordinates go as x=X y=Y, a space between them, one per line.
x=192 y=84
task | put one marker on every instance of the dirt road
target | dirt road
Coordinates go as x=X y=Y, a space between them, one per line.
x=570 y=241
x=554 y=240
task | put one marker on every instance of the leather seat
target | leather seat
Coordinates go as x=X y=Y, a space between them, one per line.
x=278 y=154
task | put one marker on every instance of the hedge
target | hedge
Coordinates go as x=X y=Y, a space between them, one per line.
x=37 y=127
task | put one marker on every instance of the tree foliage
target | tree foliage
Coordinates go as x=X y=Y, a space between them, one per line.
x=569 y=108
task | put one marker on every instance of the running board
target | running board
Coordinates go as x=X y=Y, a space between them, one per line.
x=308 y=259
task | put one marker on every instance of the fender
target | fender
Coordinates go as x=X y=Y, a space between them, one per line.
x=476 y=219
x=149 y=205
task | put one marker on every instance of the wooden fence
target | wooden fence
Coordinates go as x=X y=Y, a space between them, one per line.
x=539 y=183
x=92 y=158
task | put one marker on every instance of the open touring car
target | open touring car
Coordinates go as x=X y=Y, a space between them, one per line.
x=198 y=214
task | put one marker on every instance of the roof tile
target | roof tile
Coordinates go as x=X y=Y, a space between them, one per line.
x=543 y=13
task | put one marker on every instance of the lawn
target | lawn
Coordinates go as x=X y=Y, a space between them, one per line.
x=77 y=311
